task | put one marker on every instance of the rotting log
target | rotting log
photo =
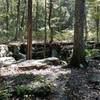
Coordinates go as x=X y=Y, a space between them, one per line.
x=63 y=49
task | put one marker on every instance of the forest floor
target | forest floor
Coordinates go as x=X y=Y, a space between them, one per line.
x=65 y=83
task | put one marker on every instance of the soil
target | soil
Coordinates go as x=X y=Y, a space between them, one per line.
x=68 y=83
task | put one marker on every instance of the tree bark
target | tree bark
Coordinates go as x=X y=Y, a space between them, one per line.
x=29 y=31
x=17 y=35
x=7 y=18
x=97 y=24
x=49 y=20
x=37 y=5
x=78 y=50
x=85 y=25
x=45 y=38
x=23 y=15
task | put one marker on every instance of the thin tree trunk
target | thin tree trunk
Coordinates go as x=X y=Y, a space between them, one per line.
x=23 y=16
x=23 y=21
x=17 y=35
x=50 y=28
x=59 y=26
x=85 y=25
x=7 y=18
x=45 y=38
x=97 y=24
x=78 y=50
x=86 y=30
x=49 y=21
x=36 y=19
x=29 y=31
x=37 y=4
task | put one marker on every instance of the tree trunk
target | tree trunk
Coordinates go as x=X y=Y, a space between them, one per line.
x=45 y=38
x=85 y=25
x=7 y=18
x=97 y=24
x=86 y=31
x=29 y=31
x=78 y=50
x=17 y=35
x=23 y=15
x=59 y=26
x=23 y=21
x=37 y=5
x=36 y=19
x=49 y=21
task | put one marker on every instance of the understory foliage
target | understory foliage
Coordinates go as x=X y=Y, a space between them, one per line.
x=14 y=21
x=75 y=23
x=39 y=87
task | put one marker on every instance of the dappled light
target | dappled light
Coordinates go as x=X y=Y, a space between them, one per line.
x=49 y=49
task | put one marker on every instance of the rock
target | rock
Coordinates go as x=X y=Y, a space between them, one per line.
x=97 y=45
x=3 y=50
x=60 y=50
x=15 y=49
x=26 y=66
x=66 y=52
x=32 y=64
x=96 y=57
x=52 y=61
x=5 y=61
x=94 y=77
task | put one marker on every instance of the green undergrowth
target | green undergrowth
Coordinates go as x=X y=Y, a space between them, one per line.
x=92 y=52
x=39 y=87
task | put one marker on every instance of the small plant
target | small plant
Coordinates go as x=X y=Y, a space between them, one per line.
x=37 y=89
x=92 y=52
x=42 y=91
x=22 y=90
x=39 y=78
x=4 y=94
